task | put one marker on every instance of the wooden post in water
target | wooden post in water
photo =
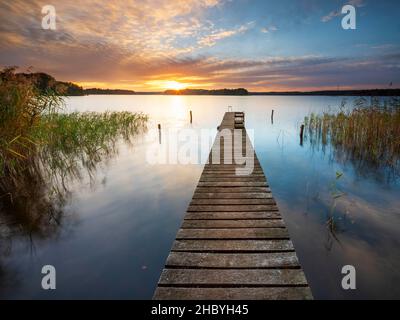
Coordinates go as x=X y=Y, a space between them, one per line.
x=301 y=134
x=272 y=116
x=191 y=116
x=159 y=133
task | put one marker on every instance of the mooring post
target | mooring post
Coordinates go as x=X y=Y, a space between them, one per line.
x=191 y=116
x=159 y=133
x=301 y=134
x=272 y=116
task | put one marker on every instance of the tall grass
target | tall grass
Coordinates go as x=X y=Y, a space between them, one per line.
x=42 y=149
x=21 y=109
x=70 y=142
x=368 y=135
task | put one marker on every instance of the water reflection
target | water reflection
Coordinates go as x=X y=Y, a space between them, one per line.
x=121 y=232
x=33 y=201
x=363 y=136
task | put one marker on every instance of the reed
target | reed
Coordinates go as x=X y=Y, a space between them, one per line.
x=43 y=148
x=368 y=135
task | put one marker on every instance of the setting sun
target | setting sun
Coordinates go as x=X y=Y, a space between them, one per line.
x=161 y=85
x=174 y=85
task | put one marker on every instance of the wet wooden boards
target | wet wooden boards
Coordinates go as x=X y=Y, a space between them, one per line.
x=233 y=242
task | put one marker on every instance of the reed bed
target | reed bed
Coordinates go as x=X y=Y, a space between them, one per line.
x=43 y=148
x=368 y=135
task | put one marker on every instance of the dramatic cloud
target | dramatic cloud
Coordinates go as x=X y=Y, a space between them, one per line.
x=149 y=44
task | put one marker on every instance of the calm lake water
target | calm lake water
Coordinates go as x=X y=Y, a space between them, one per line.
x=118 y=227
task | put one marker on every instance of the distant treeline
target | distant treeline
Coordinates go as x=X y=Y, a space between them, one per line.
x=219 y=92
x=107 y=91
x=46 y=82
x=371 y=92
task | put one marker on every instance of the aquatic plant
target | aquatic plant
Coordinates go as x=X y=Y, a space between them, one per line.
x=21 y=108
x=42 y=149
x=367 y=136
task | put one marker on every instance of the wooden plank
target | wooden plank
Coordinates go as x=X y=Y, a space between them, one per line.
x=248 y=233
x=228 y=174
x=211 y=224
x=232 y=260
x=232 y=195
x=217 y=178
x=244 y=201
x=233 y=245
x=231 y=175
x=244 y=208
x=233 y=184
x=232 y=189
x=267 y=293
x=273 y=214
x=261 y=277
x=230 y=167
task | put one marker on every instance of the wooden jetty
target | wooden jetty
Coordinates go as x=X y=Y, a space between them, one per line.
x=233 y=242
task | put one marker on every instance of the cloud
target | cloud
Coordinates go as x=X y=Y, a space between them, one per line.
x=330 y=16
x=336 y=13
x=149 y=28
x=357 y=3
x=269 y=29
x=211 y=39
x=137 y=43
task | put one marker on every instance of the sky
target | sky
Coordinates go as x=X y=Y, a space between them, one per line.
x=154 y=45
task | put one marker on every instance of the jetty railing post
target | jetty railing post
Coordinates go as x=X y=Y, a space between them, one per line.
x=301 y=134
x=191 y=116
x=272 y=116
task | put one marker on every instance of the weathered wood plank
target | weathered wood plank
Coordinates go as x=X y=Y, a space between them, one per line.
x=230 y=175
x=261 y=277
x=232 y=195
x=244 y=201
x=210 y=224
x=244 y=208
x=233 y=184
x=232 y=245
x=231 y=189
x=230 y=167
x=267 y=293
x=232 y=260
x=273 y=214
x=217 y=178
x=250 y=233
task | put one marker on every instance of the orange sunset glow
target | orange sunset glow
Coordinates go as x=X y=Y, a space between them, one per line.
x=208 y=44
